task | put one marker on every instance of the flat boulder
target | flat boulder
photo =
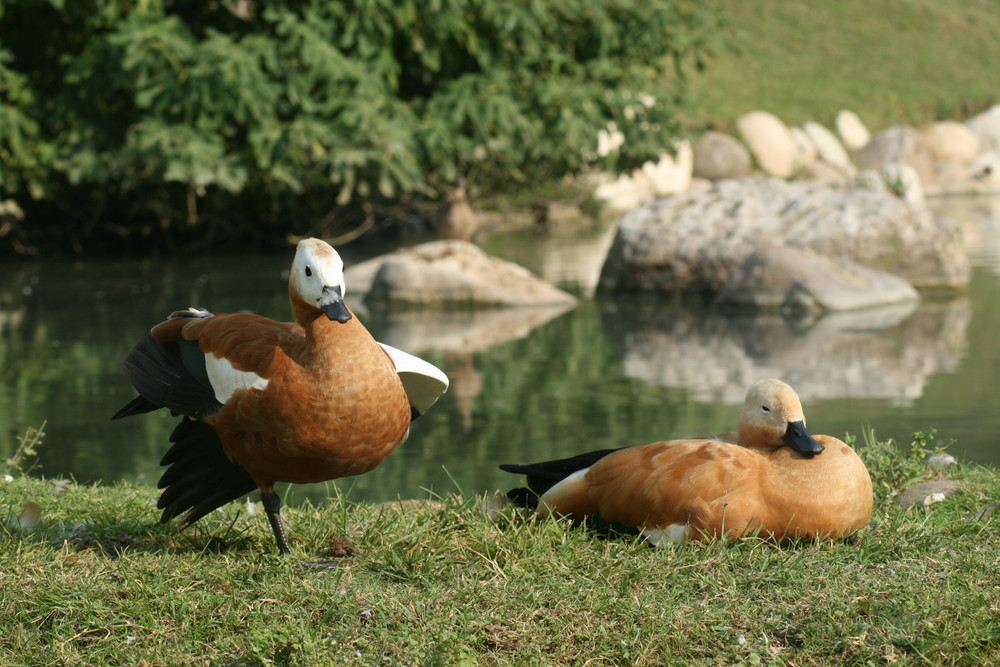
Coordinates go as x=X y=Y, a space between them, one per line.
x=928 y=493
x=446 y=274
x=695 y=242
x=801 y=281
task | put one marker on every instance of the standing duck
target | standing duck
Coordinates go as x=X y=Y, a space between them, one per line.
x=266 y=401
x=771 y=478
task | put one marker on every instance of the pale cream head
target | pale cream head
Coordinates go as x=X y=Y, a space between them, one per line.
x=769 y=407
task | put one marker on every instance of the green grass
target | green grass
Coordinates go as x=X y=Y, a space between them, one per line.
x=99 y=581
x=892 y=62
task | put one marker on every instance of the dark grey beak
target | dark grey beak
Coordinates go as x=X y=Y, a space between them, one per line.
x=332 y=305
x=798 y=438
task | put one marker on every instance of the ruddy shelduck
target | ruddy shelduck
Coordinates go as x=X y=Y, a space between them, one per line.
x=770 y=479
x=266 y=401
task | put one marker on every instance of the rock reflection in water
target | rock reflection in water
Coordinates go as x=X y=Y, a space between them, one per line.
x=979 y=218
x=880 y=353
x=459 y=334
x=460 y=331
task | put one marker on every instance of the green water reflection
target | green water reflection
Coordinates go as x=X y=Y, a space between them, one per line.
x=607 y=373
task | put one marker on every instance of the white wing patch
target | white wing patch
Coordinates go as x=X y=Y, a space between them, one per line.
x=227 y=380
x=423 y=382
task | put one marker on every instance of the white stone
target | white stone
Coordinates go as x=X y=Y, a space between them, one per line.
x=949 y=141
x=852 y=131
x=806 y=152
x=829 y=148
x=670 y=174
x=986 y=126
x=769 y=141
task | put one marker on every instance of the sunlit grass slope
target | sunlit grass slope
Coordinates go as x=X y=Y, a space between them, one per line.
x=891 y=61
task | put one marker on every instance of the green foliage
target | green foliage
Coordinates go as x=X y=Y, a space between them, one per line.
x=181 y=108
x=23 y=460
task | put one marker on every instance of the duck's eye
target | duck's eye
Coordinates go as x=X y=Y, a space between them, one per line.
x=765 y=408
x=309 y=272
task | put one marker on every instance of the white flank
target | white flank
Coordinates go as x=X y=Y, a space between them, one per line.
x=564 y=487
x=423 y=382
x=675 y=532
x=227 y=380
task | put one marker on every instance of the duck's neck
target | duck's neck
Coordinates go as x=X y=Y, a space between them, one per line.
x=329 y=341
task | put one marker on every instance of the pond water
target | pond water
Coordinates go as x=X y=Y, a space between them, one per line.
x=526 y=385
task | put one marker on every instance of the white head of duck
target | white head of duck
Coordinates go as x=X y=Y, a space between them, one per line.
x=317 y=282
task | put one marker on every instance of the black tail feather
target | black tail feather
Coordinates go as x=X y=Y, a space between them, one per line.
x=200 y=477
x=137 y=406
x=544 y=475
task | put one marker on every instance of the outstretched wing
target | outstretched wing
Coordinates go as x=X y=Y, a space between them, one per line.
x=194 y=361
x=423 y=382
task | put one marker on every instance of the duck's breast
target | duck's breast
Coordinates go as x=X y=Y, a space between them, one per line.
x=828 y=495
x=335 y=413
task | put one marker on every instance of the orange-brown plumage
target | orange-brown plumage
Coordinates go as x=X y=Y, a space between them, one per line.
x=756 y=482
x=305 y=401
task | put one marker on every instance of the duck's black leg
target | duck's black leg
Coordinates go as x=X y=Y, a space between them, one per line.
x=272 y=505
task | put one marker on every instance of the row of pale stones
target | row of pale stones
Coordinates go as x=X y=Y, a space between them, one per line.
x=946 y=157
x=840 y=240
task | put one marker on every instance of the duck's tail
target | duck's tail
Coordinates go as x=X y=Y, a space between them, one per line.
x=542 y=476
x=200 y=477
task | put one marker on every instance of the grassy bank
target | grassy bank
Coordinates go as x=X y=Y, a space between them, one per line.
x=896 y=61
x=98 y=581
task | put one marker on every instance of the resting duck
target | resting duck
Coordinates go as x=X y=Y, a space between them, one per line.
x=771 y=478
x=266 y=401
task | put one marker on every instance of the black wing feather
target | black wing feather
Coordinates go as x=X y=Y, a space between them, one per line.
x=157 y=371
x=544 y=475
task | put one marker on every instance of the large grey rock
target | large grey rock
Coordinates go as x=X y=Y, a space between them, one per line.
x=899 y=144
x=799 y=280
x=718 y=156
x=694 y=242
x=451 y=274
x=769 y=141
